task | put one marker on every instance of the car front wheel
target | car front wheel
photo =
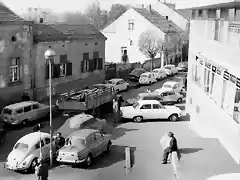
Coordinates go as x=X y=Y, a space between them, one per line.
x=173 y=117
x=179 y=100
x=138 y=119
x=89 y=160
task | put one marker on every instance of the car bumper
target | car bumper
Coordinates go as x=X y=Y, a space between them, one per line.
x=14 y=167
x=70 y=161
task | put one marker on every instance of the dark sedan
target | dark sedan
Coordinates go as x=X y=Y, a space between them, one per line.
x=135 y=74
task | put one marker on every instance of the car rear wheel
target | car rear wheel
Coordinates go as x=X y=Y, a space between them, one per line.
x=173 y=117
x=179 y=100
x=138 y=119
x=89 y=160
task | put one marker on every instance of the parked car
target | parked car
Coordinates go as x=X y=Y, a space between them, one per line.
x=147 y=78
x=26 y=151
x=172 y=68
x=150 y=109
x=24 y=112
x=144 y=96
x=81 y=121
x=160 y=73
x=3 y=131
x=135 y=74
x=118 y=84
x=173 y=85
x=169 y=96
x=83 y=146
x=183 y=66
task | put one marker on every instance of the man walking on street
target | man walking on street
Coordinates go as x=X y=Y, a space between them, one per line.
x=172 y=147
x=115 y=111
x=41 y=170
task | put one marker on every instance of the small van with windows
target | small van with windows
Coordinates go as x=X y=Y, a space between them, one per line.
x=23 y=112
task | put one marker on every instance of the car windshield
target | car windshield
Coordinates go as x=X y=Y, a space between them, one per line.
x=7 y=111
x=110 y=82
x=167 y=67
x=167 y=86
x=144 y=76
x=21 y=146
x=135 y=105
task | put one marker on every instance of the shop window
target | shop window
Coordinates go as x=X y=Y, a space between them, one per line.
x=206 y=80
x=236 y=110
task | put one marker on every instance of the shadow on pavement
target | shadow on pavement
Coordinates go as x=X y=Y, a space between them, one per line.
x=185 y=117
x=189 y=150
x=119 y=132
x=116 y=154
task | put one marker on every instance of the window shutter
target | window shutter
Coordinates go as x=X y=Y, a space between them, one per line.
x=47 y=72
x=63 y=58
x=56 y=70
x=100 y=63
x=69 y=69
x=91 y=65
x=95 y=64
x=82 y=66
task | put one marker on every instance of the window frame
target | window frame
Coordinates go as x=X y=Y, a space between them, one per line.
x=63 y=69
x=14 y=70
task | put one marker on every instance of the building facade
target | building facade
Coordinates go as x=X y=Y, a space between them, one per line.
x=213 y=89
x=79 y=61
x=123 y=34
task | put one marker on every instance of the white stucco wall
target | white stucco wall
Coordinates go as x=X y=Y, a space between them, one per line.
x=211 y=115
x=119 y=36
x=164 y=10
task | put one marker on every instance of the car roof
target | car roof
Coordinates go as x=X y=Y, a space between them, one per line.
x=32 y=138
x=81 y=118
x=148 y=94
x=158 y=69
x=146 y=73
x=161 y=90
x=21 y=104
x=171 y=82
x=83 y=133
x=148 y=102
x=116 y=79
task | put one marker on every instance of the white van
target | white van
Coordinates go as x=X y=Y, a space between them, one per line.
x=173 y=85
x=147 y=78
x=24 y=111
x=159 y=73
x=172 y=68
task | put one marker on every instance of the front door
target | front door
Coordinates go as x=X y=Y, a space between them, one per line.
x=158 y=111
x=145 y=111
x=100 y=143
x=92 y=145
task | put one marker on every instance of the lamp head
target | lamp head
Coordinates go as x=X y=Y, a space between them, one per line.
x=50 y=53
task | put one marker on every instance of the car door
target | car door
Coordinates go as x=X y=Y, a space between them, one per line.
x=36 y=111
x=171 y=96
x=39 y=149
x=101 y=145
x=92 y=144
x=165 y=97
x=28 y=114
x=159 y=111
x=145 y=111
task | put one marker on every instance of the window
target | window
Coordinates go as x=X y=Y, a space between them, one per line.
x=95 y=55
x=131 y=42
x=130 y=24
x=200 y=13
x=193 y=14
x=100 y=63
x=146 y=106
x=63 y=69
x=15 y=70
x=27 y=108
x=19 y=111
x=36 y=106
x=197 y=76
x=21 y=146
x=216 y=30
x=156 y=106
x=7 y=111
x=216 y=88
x=37 y=146
x=206 y=80
x=171 y=93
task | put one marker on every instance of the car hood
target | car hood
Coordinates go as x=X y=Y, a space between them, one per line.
x=71 y=149
x=131 y=101
x=16 y=156
x=173 y=108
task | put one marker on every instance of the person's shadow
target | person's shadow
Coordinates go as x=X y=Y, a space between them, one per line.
x=182 y=151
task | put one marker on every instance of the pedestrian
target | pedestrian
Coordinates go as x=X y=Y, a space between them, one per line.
x=59 y=141
x=115 y=111
x=120 y=100
x=25 y=97
x=148 y=90
x=41 y=170
x=171 y=148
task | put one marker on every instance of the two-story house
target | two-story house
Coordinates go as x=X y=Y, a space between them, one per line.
x=213 y=94
x=79 y=61
x=15 y=56
x=123 y=34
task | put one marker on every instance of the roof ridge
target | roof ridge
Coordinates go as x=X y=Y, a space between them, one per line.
x=11 y=11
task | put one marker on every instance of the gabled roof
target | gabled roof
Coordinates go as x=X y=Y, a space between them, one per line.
x=8 y=15
x=78 y=30
x=183 y=12
x=159 y=21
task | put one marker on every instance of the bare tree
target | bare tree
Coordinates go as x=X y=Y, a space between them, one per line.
x=150 y=44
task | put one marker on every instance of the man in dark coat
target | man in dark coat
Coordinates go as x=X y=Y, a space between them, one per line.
x=59 y=141
x=171 y=148
x=41 y=170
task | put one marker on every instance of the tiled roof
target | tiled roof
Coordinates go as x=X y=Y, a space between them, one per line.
x=7 y=15
x=159 y=21
x=77 y=30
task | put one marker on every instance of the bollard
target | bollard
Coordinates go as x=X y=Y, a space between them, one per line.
x=127 y=160
x=175 y=164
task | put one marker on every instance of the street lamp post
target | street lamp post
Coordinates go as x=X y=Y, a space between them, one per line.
x=49 y=56
x=162 y=58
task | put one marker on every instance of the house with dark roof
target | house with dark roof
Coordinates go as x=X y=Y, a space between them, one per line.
x=15 y=55
x=79 y=61
x=123 y=34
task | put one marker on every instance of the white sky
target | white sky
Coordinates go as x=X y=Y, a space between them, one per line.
x=69 y=5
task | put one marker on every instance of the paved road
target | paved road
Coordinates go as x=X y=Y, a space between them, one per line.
x=132 y=133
